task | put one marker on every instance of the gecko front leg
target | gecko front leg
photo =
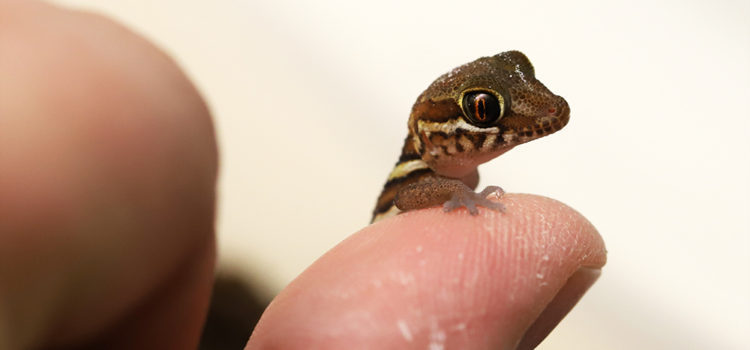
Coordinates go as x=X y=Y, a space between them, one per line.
x=451 y=193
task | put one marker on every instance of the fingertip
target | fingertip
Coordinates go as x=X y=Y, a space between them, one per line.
x=432 y=278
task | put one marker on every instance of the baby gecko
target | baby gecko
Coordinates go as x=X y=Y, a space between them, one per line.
x=466 y=117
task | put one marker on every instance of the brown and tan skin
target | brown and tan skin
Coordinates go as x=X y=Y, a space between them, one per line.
x=466 y=117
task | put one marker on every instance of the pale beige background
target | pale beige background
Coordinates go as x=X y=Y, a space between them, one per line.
x=311 y=99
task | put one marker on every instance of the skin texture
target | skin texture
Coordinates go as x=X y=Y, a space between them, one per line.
x=108 y=168
x=427 y=277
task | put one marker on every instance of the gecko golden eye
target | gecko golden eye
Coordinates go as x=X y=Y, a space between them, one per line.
x=482 y=107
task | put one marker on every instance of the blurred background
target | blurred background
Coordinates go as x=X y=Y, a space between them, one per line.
x=311 y=99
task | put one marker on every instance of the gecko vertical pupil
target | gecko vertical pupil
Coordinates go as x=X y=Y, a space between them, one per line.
x=481 y=107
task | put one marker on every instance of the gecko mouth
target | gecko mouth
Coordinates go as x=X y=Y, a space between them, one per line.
x=459 y=140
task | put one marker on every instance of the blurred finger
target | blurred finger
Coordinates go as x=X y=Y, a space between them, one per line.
x=107 y=175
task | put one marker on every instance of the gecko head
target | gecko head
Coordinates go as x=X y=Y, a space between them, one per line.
x=482 y=109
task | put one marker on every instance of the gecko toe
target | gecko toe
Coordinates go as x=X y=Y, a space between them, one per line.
x=471 y=200
x=472 y=207
x=451 y=204
x=496 y=190
x=496 y=206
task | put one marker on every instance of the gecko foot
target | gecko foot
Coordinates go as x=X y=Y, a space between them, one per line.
x=469 y=199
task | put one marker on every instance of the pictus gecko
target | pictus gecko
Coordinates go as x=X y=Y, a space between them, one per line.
x=466 y=117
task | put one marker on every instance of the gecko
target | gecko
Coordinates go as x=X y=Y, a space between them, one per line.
x=467 y=117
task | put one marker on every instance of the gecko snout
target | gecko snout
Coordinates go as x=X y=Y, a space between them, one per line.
x=559 y=108
x=560 y=111
x=552 y=116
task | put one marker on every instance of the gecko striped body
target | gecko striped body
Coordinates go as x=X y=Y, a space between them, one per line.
x=466 y=117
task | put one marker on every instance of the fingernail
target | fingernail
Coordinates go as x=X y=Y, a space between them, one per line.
x=560 y=305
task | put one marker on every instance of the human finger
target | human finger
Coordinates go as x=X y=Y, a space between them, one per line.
x=430 y=279
x=107 y=179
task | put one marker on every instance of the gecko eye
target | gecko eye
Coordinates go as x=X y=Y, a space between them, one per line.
x=482 y=107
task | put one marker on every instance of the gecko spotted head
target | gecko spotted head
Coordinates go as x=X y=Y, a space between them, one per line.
x=481 y=110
